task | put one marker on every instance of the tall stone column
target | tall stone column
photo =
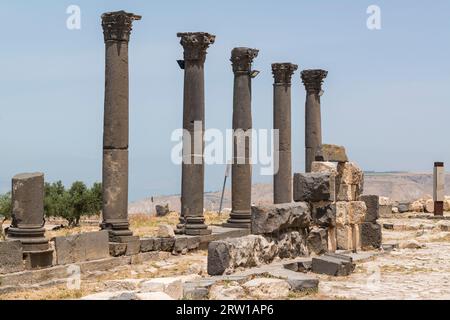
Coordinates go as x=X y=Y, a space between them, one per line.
x=192 y=221
x=117 y=27
x=312 y=79
x=282 y=180
x=241 y=170
x=28 y=212
x=438 y=188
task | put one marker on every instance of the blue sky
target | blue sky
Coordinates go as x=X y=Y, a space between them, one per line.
x=386 y=96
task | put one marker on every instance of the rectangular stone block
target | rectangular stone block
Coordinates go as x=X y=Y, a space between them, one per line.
x=371 y=235
x=347 y=192
x=385 y=210
x=344 y=238
x=11 y=256
x=324 y=167
x=117 y=249
x=275 y=218
x=331 y=153
x=350 y=173
x=147 y=244
x=332 y=239
x=313 y=187
x=373 y=207
x=82 y=247
x=350 y=212
x=332 y=266
x=133 y=247
x=323 y=213
x=38 y=259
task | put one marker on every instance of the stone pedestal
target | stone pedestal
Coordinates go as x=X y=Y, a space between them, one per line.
x=282 y=180
x=28 y=212
x=117 y=27
x=438 y=188
x=312 y=79
x=192 y=221
x=241 y=170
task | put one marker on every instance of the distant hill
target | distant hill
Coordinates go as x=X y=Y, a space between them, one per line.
x=399 y=186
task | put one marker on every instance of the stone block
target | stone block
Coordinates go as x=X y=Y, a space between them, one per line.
x=314 y=187
x=133 y=247
x=117 y=249
x=332 y=266
x=195 y=293
x=275 y=218
x=344 y=237
x=11 y=256
x=324 y=167
x=165 y=231
x=317 y=240
x=147 y=244
x=268 y=288
x=171 y=286
x=167 y=244
x=323 y=213
x=403 y=207
x=291 y=244
x=371 y=235
x=350 y=173
x=385 y=210
x=38 y=259
x=373 y=207
x=82 y=247
x=357 y=212
x=123 y=284
x=331 y=153
x=347 y=192
x=184 y=244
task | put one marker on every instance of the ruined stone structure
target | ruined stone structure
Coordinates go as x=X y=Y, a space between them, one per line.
x=282 y=180
x=371 y=230
x=312 y=79
x=241 y=171
x=192 y=221
x=438 y=188
x=117 y=27
x=28 y=219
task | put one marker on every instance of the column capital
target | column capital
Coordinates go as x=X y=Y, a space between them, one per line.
x=195 y=44
x=242 y=58
x=312 y=79
x=117 y=25
x=282 y=72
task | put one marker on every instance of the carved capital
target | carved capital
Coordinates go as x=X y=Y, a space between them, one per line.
x=312 y=79
x=117 y=25
x=242 y=58
x=282 y=72
x=195 y=44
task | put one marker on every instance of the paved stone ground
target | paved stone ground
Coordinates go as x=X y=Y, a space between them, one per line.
x=404 y=273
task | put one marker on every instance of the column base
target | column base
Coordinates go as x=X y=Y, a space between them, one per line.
x=117 y=230
x=38 y=259
x=32 y=238
x=439 y=208
x=239 y=219
x=195 y=226
x=180 y=226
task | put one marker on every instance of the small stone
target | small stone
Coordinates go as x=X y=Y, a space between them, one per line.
x=227 y=292
x=268 y=288
x=171 y=286
x=403 y=207
x=429 y=206
x=162 y=211
x=394 y=210
x=410 y=244
x=165 y=231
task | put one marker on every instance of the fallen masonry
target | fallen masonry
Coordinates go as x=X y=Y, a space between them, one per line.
x=333 y=265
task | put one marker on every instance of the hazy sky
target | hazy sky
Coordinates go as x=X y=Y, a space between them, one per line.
x=386 y=96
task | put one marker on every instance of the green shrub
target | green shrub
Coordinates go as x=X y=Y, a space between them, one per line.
x=5 y=206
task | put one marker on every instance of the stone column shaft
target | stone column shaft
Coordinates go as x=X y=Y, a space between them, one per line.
x=192 y=221
x=282 y=180
x=28 y=212
x=117 y=28
x=438 y=188
x=312 y=80
x=241 y=170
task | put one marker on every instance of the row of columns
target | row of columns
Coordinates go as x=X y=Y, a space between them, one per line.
x=117 y=27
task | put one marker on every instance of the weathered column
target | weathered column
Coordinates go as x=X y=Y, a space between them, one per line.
x=192 y=221
x=241 y=171
x=438 y=188
x=282 y=180
x=117 y=27
x=312 y=79
x=28 y=212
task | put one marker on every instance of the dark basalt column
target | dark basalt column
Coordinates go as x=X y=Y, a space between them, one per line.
x=312 y=79
x=282 y=180
x=192 y=221
x=117 y=27
x=241 y=171
x=28 y=212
